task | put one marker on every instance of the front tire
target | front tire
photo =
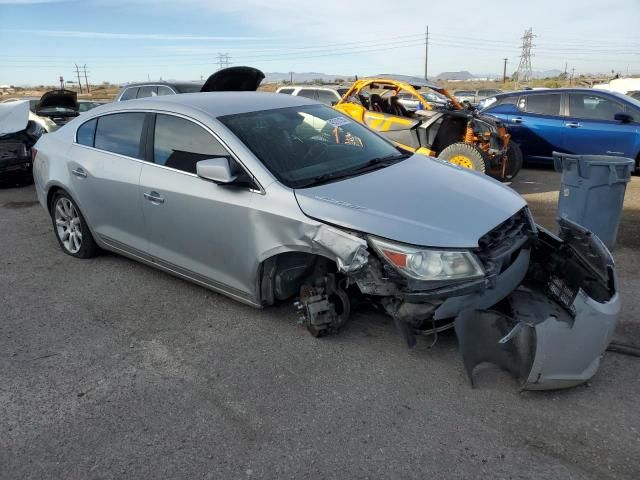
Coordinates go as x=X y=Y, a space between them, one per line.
x=70 y=228
x=514 y=161
x=464 y=155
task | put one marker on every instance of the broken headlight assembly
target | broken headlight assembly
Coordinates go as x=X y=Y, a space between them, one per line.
x=428 y=263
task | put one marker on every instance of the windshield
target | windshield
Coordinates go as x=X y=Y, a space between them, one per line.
x=304 y=146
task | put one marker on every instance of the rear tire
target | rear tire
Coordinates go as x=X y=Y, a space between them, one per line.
x=464 y=155
x=70 y=228
x=514 y=161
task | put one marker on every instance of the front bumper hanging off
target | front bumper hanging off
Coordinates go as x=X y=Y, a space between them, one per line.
x=551 y=331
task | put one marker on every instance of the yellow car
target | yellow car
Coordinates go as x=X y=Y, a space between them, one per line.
x=397 y=107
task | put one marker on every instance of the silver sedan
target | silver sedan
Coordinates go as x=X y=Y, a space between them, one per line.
x=267 y=197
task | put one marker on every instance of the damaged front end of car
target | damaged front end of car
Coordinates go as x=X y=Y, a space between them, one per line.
x=542 y=307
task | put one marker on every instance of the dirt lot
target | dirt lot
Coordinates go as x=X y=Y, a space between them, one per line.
x=113 y=370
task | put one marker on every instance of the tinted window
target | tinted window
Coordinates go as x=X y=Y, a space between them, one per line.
x=129 y=93
x=593 y=107
x=327 y=97
x=300 y=144
x=180 y=144
x=542 y=104
x=147 y=92
x=87 y=133
x=188 y=87
x=307 y=93
x=120 y=133
x=164 y=91
x=286 y=91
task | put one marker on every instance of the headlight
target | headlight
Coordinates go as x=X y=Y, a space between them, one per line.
x=427 y=263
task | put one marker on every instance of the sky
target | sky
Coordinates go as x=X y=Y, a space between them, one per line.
x=136 y=40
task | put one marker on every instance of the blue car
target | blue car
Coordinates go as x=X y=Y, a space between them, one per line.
x=570 y=120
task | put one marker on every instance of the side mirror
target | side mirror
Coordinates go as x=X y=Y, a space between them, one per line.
x=623 y=117
x=216 y=169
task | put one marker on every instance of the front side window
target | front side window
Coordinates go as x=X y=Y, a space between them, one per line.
x=164 y=91
x=307 y=93
x=303 y=146
x=179 y=143
x=327 y=97
x=87 y=133
x=147 y=92
x=120 y=133
x=545 y=104
x=129 y=93
x=593 y=107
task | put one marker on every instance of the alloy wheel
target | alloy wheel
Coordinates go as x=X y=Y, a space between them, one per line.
x=68 y=227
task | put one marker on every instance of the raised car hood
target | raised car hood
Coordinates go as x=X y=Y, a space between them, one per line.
x=14 y=117
x=65 y=99
x=420 y=201
x=234 y=79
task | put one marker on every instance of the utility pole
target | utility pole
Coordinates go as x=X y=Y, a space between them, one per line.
x=426 y=54
x=524 y=68
x=78 y=74
x=291 y=78
x=504 y=71
x=61 y=82
x=86 y=81
x=573 y=73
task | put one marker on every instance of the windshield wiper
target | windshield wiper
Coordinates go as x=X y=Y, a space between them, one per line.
x=369 y=165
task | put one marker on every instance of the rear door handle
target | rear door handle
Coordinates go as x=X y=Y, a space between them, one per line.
x=79 y=172
x=573 y=125
x=154 y=197
x=517 y=120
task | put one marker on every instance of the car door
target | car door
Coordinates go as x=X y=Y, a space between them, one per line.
x=195 y=227
x=105 y=166
x=537 y=125
x=592 y=129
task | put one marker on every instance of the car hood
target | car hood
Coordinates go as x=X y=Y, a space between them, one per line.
x=421 y=201
x=14 y=117
x=64 y=99
x=234 y=79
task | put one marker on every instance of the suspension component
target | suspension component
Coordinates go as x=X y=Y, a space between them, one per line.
x=324 y=307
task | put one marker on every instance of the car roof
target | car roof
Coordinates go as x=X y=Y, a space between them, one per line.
x=212 y=104
x=325 y=87
x=415 y=82
x=164 y=82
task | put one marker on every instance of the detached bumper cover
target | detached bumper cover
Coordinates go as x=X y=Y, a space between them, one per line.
x=550 y=332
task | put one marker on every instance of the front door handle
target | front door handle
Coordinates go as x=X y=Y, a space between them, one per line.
x=517 y=120
x=154 y=197
x=79 y=172
x=573 y=125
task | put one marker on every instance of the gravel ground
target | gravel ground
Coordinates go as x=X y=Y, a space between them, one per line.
x=111 y=369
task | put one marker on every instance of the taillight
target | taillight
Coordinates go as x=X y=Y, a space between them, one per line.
x=34 y=152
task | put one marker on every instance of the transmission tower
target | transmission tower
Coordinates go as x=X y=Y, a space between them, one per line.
x=223 y=60
x=525 y=73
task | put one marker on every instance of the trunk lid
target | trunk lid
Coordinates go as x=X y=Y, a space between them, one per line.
x=234 y=79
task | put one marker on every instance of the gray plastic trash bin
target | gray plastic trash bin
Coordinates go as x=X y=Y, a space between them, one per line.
x=592 y=191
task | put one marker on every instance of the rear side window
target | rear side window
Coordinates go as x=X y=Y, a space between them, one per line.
x=147 y=92
x=164 y=91
x=129 y=93
x=548 y=104
x=593 y=107
x=307 y=93
x=179 y=143
x=286 y=91
x=327 y=97
x=86 y=133
x=120 y=133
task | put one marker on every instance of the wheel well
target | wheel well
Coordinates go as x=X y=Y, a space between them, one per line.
x=282 y=275
x=50 y=194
